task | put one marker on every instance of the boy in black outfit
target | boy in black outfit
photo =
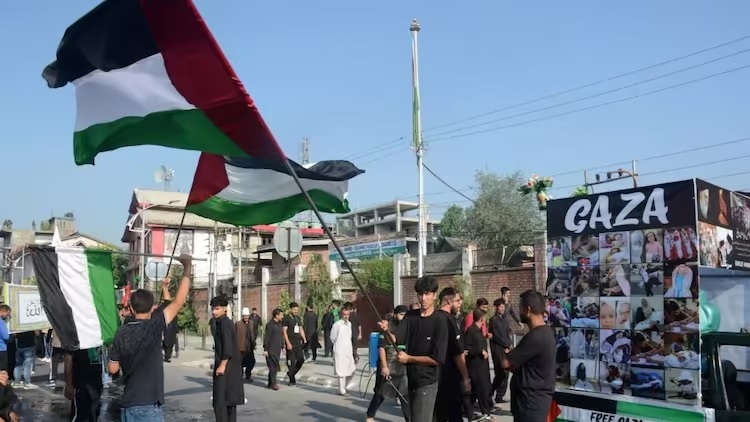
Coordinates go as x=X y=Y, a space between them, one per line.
x=533 y=363
x=272 y=344
x=83 y=383
x=426 y=342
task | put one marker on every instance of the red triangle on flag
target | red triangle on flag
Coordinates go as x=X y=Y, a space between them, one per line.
x=554 y=412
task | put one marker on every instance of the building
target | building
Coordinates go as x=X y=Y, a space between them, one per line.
x=383 y=230
x=15 y=262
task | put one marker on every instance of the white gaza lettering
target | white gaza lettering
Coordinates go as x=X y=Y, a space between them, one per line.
x=597 y=216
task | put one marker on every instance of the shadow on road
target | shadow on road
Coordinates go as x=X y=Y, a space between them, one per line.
x=331 y=412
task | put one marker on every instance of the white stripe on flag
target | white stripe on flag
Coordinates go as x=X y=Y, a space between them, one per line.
x=73 y=269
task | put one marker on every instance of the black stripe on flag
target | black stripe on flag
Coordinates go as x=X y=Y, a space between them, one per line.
x=334 y=170
x=114 y=35
x=59 y=313
x=586 y=401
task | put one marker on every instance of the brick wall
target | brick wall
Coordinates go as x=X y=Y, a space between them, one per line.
x=486 y=284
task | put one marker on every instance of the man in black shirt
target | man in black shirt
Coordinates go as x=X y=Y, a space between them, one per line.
x=356 y=328
x=500 y=345
x=426 y=344
x=454 y=377
x=228 y=388
x=136 y=350
x=310 y=326
x=509 y=311
x=273 y=341
x=83 y=383
x=532 y=363
x=294 y=339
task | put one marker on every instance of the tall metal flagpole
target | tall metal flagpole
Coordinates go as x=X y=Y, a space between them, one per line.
x=418 y=146
x=240 y=249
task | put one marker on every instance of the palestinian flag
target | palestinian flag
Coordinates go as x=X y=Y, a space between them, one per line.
x=149 y=72
x=78 y=294
x=247 y=191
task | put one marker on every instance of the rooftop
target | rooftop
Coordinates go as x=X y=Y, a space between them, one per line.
x=384 y=208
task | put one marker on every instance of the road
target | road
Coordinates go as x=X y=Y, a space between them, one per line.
x=188 y=394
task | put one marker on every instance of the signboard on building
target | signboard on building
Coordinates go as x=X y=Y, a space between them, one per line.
x=369 y=250
x=27 y=313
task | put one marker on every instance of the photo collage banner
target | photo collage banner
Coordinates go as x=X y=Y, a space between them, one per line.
x=623 y=290
x=724 y=227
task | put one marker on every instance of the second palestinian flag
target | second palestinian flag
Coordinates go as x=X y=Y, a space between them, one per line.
x=78 y=294
x=149 y=72
x=250 y=191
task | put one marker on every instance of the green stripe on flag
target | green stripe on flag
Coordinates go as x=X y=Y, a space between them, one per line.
x=659 y=413
x=103 y=291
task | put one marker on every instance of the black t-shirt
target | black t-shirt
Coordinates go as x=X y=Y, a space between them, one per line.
x=293 y=326
x=354 y=320
x=533 y=381
x=137 y=347
x=87 y=367
x=26 y=339
x=425 y=336
x=450 y=375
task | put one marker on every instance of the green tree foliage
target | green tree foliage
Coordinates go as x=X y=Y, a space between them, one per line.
x=187 y=320
x=284 y=300
x=453 y=222
x=501 y=215
x=464 y=288
x=317 y=277
x=376 y=273
x=119 y=262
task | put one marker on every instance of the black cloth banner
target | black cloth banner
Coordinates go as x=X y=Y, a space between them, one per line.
x=665 y=205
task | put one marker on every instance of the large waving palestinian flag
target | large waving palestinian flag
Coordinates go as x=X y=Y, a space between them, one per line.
x=78 y=294
x=149 y=72
x=249 y=191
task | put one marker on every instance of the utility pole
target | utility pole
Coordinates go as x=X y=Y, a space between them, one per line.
x=240 y=249
x=305 y=158
x=418 y=145
x=611 y=176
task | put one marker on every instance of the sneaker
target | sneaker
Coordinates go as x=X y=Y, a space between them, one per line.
x=29 y=386
x=52 y=383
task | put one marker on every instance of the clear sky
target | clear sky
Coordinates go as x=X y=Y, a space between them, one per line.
x=339 y=72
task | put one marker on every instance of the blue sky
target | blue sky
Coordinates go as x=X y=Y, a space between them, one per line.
x=339 y=72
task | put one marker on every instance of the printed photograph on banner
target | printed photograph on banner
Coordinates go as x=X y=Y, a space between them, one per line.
x=741 y=223
x=648 y=312
x=559 y=252
x=715 y=246
x=614 y=378
x=682 y=385
x=614 y=248
x=559 y=281
x=614 y=313
x=585 y=312
x=614 y=346
x=646 y=279
x=713 y=204
x=647 y=382
x=680 y=244
x=586 y=281
x=681 y=316
x=646 y=246
x=586 y=250
x=559 y=310
x=584 y=344
x=584 y=374
x=562 y=358
x=682 y=351
x=681 y=280
x=614 y=280
x=647 y=348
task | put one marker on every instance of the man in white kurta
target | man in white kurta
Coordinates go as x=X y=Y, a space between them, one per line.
x=343 y=354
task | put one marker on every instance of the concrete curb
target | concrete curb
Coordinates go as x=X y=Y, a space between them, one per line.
x=260 y=374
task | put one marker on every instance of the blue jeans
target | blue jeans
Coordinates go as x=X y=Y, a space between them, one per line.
x=24 y=363
x=142 y=414
x=106 y=378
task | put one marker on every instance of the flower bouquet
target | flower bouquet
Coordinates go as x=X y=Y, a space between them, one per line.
x=540 y=186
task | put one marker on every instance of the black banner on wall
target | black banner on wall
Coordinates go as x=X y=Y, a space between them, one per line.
x=665 y=205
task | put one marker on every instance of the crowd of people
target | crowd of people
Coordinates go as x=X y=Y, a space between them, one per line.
x=433 y=358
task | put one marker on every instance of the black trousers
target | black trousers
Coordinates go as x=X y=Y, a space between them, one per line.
x=11 y=359
x=450 y=402
x=248 y=361
x=296 y=358
x=328 y=343
x=222 y=411
x=479 y=371
x=500 y=383
x=168 y=348
x=272 y=361
x=4 y=361
x=378 y=398
x=86 y=404
x=311 y=348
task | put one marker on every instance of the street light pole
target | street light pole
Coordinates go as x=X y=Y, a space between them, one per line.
x=142 y=276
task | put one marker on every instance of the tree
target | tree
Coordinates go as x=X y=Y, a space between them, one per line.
x=376 y=273
x=317 y=277
x=501 y=215
x=119 y=263
x=453 y=223
x=467 y=294
x=187 y=320
x=284 y=300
